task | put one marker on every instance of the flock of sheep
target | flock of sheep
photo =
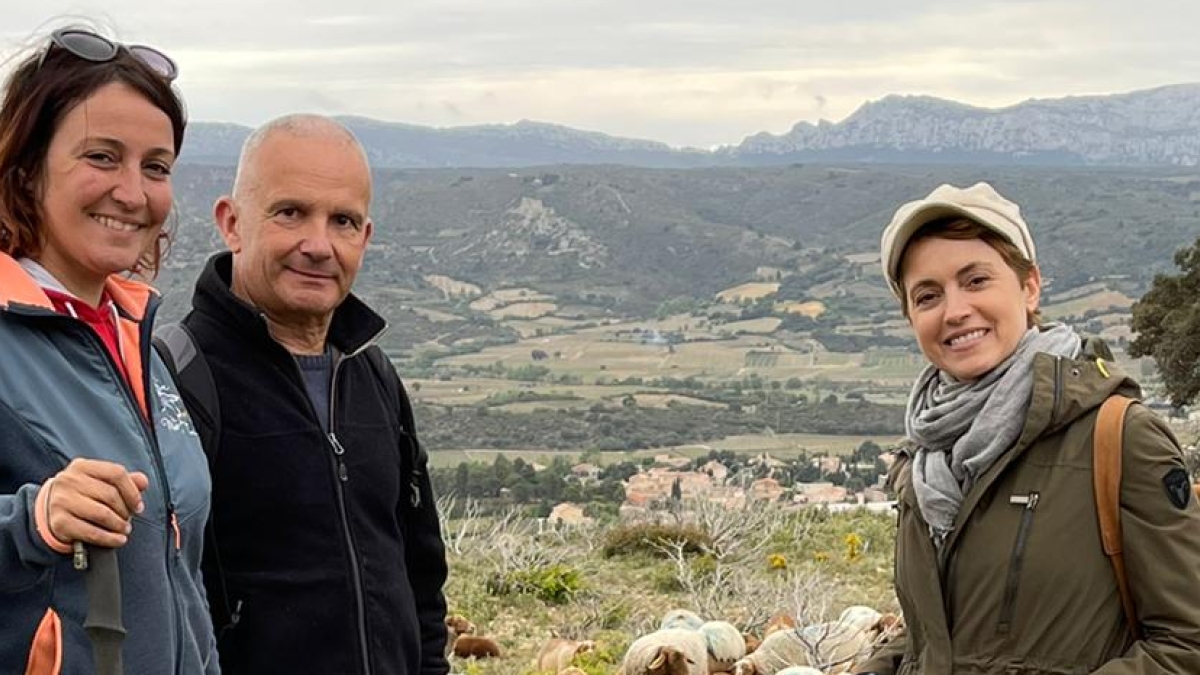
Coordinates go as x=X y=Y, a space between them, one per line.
x=686 y=644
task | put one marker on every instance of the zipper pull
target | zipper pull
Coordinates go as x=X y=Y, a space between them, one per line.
x=338 y=453
x=1029 y=501
x=178 y=533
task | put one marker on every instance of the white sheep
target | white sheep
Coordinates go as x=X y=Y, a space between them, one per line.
x=668 y=651
x=557 y=654
x=799 y=670
x=725 y=645
x=832 y=646
x=861 y=617
x=681 y=618
x=777 y=651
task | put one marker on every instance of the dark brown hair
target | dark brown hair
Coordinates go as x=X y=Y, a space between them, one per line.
x=964 y=229
x=38 y=94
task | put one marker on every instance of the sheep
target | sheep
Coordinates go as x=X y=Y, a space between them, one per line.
x=667 y=651
x=459 y=625
x=799 y=670
x=858 y=616
x=476 y=647
x=752 y=642
x=681 y=618
x=780 y=649
x=836 y=645
x=889 y=626
x=558 y=653
x=456 y=625
x=782 y=621
x=832 y=646
x=725 y=645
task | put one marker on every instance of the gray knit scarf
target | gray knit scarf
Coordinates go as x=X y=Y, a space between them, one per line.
x=962 y=428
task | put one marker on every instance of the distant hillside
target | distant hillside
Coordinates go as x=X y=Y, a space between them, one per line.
x=622 y=241
x=396 y=145
x=1155 y=127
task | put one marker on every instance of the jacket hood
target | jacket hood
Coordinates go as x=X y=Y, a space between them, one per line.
x=354 y=327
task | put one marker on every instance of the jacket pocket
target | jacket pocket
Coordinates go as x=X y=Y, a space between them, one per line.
x=1012 y=584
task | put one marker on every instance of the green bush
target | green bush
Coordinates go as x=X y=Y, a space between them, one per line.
x=651 y=537
x=552 y=584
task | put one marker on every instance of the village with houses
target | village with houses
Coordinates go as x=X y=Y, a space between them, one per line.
x=760 y=479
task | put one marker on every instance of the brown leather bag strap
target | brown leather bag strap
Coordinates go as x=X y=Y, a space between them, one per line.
x=1107 y=444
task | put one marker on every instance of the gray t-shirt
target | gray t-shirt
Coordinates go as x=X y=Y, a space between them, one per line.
x=318 y=374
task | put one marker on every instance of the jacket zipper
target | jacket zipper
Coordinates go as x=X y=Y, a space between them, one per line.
x=342 y=477
x=173 y=533
x=1057 y=387
x=1029 y=503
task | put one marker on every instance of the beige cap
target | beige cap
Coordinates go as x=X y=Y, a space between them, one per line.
x=980 y=203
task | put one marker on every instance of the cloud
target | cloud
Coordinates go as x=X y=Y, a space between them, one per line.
x=697 y=73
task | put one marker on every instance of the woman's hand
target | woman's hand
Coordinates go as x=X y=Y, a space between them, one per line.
x=92 y=501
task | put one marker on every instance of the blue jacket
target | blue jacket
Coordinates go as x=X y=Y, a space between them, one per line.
x=61 y=397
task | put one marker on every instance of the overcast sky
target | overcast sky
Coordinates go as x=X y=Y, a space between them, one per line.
x=698 y=73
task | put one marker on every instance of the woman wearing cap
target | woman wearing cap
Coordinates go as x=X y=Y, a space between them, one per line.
x=96 y=453
x=999 y=563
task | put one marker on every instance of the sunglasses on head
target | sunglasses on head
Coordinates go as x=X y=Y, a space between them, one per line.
x=98 y=49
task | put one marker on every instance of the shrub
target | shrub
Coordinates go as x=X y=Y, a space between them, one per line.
x=652 y=537
x=553 y=584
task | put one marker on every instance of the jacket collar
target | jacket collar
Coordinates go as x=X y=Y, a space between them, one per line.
x=1063 y=391
x=21 y=283
x=355 y=326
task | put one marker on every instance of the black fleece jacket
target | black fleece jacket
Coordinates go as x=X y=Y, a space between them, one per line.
x=317 y=560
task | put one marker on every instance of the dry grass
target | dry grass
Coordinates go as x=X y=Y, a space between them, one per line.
x=811 y=309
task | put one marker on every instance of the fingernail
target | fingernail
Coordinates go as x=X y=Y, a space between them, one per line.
x=128 y=528
x=141 y=507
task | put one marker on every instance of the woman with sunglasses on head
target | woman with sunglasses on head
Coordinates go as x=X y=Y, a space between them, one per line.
x=1000 y=566
x=96 y=451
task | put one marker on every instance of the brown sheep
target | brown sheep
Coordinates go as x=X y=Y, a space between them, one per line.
x=782 y=621
x=476 y=647
x=558 y=653
x=752 y=642
x=456 y=625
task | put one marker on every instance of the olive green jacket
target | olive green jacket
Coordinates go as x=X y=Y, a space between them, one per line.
x=1022 y=586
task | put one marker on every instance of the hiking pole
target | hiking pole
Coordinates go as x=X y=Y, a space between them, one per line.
x=103 y=622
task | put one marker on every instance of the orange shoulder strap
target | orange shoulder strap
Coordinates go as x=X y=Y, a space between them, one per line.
x=1106 y=477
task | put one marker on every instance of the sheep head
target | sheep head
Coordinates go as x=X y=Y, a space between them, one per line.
x=669 y=661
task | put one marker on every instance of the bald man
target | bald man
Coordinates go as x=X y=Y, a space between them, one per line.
x=324 y=552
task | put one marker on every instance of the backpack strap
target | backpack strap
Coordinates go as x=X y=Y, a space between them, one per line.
x=177 y=347
x=411 y=462
x=186 y=362
x=1107 y=448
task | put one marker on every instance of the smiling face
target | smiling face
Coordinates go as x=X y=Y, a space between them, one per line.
x=967 y=306
x=106 y=188
x=297 y=225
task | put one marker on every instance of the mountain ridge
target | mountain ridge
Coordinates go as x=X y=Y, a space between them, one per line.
x=1157 y=127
